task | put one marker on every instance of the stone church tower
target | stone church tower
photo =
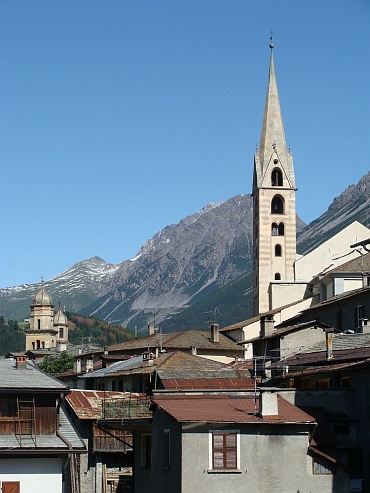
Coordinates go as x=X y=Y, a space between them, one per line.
x=47 y=331
x=274 y=210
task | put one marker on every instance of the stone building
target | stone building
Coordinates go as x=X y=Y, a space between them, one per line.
x=48 y=330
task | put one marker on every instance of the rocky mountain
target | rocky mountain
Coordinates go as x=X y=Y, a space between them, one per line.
x=353 y=204
x=74 y=288
x=202 y=257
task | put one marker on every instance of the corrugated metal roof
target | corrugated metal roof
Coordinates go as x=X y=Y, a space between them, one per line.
x=88 y=404
x=226 y=409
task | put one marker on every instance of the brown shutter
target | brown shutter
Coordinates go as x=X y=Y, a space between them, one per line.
x=11 y=487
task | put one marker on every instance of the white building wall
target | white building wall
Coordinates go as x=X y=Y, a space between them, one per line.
x=35 y=475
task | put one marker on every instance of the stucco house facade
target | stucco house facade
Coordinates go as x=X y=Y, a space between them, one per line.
x=236 y=442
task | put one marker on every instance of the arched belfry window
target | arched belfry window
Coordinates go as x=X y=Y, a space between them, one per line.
x=277 y=250
x=276 y=178
x=274 y=229
x=281 y=229
x=277 y=276
x=277 y=205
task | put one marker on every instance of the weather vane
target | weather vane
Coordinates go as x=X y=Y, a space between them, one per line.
x=271 y=45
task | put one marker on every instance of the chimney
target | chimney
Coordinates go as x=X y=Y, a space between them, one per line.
x=20 y=361
x=329 y=344
x=193 y=350
x=269 y=404
x=365 y=326
x=77 y=363
x=148 y=358
x=215 y=334
x=89 y=364
x=267 y=326
x=150 y=329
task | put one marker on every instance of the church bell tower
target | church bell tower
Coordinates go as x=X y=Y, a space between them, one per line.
x=274 y=210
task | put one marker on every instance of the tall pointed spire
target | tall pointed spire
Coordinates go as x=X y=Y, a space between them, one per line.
x=272 y=140
x=274 y=214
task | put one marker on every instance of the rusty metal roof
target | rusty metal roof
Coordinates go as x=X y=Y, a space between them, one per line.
x=88 y=404
x=223 y=408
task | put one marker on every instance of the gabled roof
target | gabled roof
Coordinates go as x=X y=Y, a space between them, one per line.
x=177 y=340
x=358 y=264
x=226 y=409
x=29 y=378
x=282 y=330
x=249 y=321
x=172 y=360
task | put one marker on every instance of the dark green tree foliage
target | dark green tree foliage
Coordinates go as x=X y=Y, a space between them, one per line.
x=57 y=364
x=11 y=338
x=94 y=331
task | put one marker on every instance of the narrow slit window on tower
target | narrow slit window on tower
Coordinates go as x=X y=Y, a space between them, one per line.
x=281 y=229
x=276 y=178
x=274 y=229
x=277 y=250
x=277 y=205
x=277 y=276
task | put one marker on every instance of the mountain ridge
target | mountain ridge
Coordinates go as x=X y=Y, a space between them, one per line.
x=181 y=264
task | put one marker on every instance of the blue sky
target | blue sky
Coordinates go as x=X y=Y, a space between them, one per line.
x=118 y=118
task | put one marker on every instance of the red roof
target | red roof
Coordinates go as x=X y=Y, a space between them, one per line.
x=227 y=409
x=203 y=383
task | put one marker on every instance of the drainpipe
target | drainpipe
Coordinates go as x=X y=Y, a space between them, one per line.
x=329 y=344
x=63 y=438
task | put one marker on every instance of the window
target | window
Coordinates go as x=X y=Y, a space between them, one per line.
x=341 y=429
x=322 y=466
x=61 y=333
x=277 y=250
x=8 y=408
x=166 y=448
x=281 y=229
x=277 y=205
x=274 y=229
x=276 y=178
x=38 y=324
x=146 y=451
x=345 y=382
x=277 y=276
x=359 y=315
x=225 y=450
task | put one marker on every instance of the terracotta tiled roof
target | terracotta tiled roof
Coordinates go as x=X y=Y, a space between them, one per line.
x=226 y=409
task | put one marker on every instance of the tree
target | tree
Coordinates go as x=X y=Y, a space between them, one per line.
x=57 y=364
